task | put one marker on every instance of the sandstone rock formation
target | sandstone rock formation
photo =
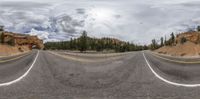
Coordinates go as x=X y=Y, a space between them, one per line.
x=190 y=46
x=21 y=39
x=189 y=36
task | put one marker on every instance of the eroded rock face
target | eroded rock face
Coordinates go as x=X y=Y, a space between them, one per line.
x=189 y=46
x=189 y=36
x=21 y=39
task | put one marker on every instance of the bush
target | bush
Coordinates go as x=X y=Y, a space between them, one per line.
x=183 y=40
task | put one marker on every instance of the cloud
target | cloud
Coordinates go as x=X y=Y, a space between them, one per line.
x=80 y=11
x=22 y=5
x=130 y=20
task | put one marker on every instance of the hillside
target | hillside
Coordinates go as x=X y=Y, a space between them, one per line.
x=186 y=44
x=17 y=39
x=186 y=49
x=193 y=37
x=7 y=50
x=16 y=43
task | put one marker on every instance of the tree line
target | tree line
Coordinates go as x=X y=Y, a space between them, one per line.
x=171 y=41
x=84 y=43
x=163 y=42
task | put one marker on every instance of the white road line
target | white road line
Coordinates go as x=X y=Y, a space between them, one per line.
x=21 y=77
x=167 y=81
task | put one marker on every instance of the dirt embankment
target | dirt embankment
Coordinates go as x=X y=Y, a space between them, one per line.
x=186 y=49
x=6 y=50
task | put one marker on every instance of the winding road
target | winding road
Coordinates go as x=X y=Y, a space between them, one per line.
x=66 y=75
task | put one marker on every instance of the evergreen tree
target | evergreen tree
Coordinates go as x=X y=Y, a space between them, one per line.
x=161 y=42
x=1 y=28
x=154 y=44
x=183 y=40
x=71 y=44
x=198 y=28
x=172 y=39
x=2 y=37
x=165 y=43
x=83 y=42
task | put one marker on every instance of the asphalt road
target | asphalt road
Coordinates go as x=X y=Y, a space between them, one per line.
x=57 y=75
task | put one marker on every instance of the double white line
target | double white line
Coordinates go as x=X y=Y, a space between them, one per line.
x=21 y=77
x=167 y=81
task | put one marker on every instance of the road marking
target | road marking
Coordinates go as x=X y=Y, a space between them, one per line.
x=3 y=61
x=21 y=77
x=167 y=81
x=176 y=61
x=71 y=58
x=96 y=55
x=82 y=59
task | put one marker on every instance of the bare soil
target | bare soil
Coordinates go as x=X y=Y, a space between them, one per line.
x=186 y=49
x=6 y=50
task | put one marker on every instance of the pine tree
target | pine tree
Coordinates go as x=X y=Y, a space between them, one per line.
x=2 y=38
x=1 y=28
x=71 y=44
x=198 y=28
x=183 y=40
x=83 y=42
x=172 y=38
x=154 y=44
x=161 y=42
x=165 y=43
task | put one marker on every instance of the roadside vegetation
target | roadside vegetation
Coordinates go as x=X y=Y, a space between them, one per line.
x=1 y=37
x=163 y=42
x=174 y=40
x=183 y=44
x=85 y=43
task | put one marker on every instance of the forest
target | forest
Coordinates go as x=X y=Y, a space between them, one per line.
x=85 y=43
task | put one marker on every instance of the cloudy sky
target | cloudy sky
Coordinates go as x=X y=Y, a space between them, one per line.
x=137 y=21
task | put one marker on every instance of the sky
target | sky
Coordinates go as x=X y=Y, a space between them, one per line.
x=136 y=21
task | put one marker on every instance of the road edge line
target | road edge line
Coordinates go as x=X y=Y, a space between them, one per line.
x=167 y=81
x=24 y=75
x=175 y=61
x=12 y=59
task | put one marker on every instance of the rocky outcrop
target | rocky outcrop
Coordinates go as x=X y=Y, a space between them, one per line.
x=7 y=50
x=186 y=49
x=187 y=44
x=189 y=36
x=21 y=39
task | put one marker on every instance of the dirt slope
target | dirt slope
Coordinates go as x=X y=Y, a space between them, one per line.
x=6 y=50
x=186 y=49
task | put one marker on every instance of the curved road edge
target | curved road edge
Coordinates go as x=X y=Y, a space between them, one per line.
x=175 y=61
x=15 y=58
x=165 y=80
x=24 y=75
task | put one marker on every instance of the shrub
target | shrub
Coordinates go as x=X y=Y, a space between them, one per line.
x=183 y=40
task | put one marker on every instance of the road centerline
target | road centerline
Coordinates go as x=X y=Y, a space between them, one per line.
x=83 y=60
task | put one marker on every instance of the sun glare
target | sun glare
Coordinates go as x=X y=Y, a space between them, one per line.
x=102 y=14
